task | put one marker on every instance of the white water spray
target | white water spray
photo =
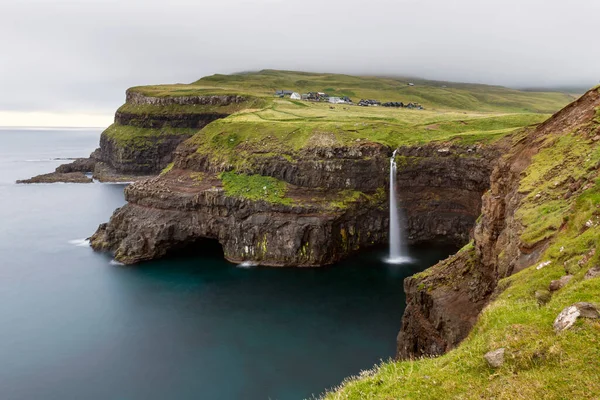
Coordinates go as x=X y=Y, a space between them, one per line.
x=398 y=254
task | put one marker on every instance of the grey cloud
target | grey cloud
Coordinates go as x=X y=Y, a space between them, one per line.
x=82 y=55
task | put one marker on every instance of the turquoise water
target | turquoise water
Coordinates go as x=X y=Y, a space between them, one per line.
x=74 y=326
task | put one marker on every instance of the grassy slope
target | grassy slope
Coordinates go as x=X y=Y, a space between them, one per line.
x=265 y=126
x=539 y=364
x=285 y=128
x=143 y=138
x=252 y=102
x=486 y=112
x=431 y=94
x=471 y=113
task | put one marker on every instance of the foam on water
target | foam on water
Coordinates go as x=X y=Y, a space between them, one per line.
x=247 y=264
x=115 y=262
x=398 y=260
x=80 y=242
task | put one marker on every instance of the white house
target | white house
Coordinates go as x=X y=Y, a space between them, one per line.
x=295 y=96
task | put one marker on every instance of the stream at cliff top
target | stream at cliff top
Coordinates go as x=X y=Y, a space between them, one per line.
x=74 y=326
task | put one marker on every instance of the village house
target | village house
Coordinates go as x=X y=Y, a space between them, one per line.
x=283 y=93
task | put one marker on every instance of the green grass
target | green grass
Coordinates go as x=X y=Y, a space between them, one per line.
x=347 y=198
x=252 y=102
x=567 y=159
x=285 y=130
x=255 y=187
x=463 y=113
x=132 y=136
x=432 y=94
x=168 y=168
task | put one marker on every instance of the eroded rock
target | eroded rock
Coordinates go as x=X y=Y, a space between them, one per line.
x=55 y=177
x=567 y=317
x=542 y=297
x=165 y=212
x=78 y=165
x=495 y=358
x=592 y=273
x=560 y=283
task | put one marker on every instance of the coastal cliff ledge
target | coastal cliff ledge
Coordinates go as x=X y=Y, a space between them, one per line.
x=272 y=210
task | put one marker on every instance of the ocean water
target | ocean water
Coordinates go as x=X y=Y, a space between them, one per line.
x=73 y=325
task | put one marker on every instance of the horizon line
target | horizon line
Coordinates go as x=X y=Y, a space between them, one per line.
x=49 y=127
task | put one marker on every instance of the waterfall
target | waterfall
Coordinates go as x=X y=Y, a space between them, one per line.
x=398 y=254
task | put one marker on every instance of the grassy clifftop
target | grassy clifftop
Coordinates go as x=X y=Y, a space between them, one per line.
x=286 y=128
x=464 y=112
x=432 y=94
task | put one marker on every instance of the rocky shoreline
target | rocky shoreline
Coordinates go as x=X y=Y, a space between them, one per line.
x=84 y=170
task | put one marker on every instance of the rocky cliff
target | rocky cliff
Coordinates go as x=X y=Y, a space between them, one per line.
x=440 y=187
x=330 y=201
x=147 y=129
x=527 y=205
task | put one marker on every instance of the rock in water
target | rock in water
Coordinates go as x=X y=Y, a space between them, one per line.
x=569 y=315
x=560 y=283
x=54 y=177
x=495 y=358
x=79 y=165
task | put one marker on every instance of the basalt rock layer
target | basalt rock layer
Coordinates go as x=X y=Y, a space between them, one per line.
x=168 y=213
x=440 y=186
x=145 y=133
x=443 y=303
x=148 y=129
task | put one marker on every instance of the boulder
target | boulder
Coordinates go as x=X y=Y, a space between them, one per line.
x=542 y=297
x=592 y=273
x=560 y=283
x=79 y=165
x=569 y=315
x=495 y=358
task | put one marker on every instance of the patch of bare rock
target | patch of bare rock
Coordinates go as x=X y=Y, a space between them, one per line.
x=495 y=358
x=560 y=283
x=55 y=177
x=567 y=317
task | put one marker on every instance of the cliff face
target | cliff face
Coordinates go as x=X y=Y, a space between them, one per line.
x=148 y=129
x=308 y=226
x=168 y=213
x=440 y=189
x=443 y=302
x=149 y=158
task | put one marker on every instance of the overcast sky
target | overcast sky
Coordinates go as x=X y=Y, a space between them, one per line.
x=78 y=57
